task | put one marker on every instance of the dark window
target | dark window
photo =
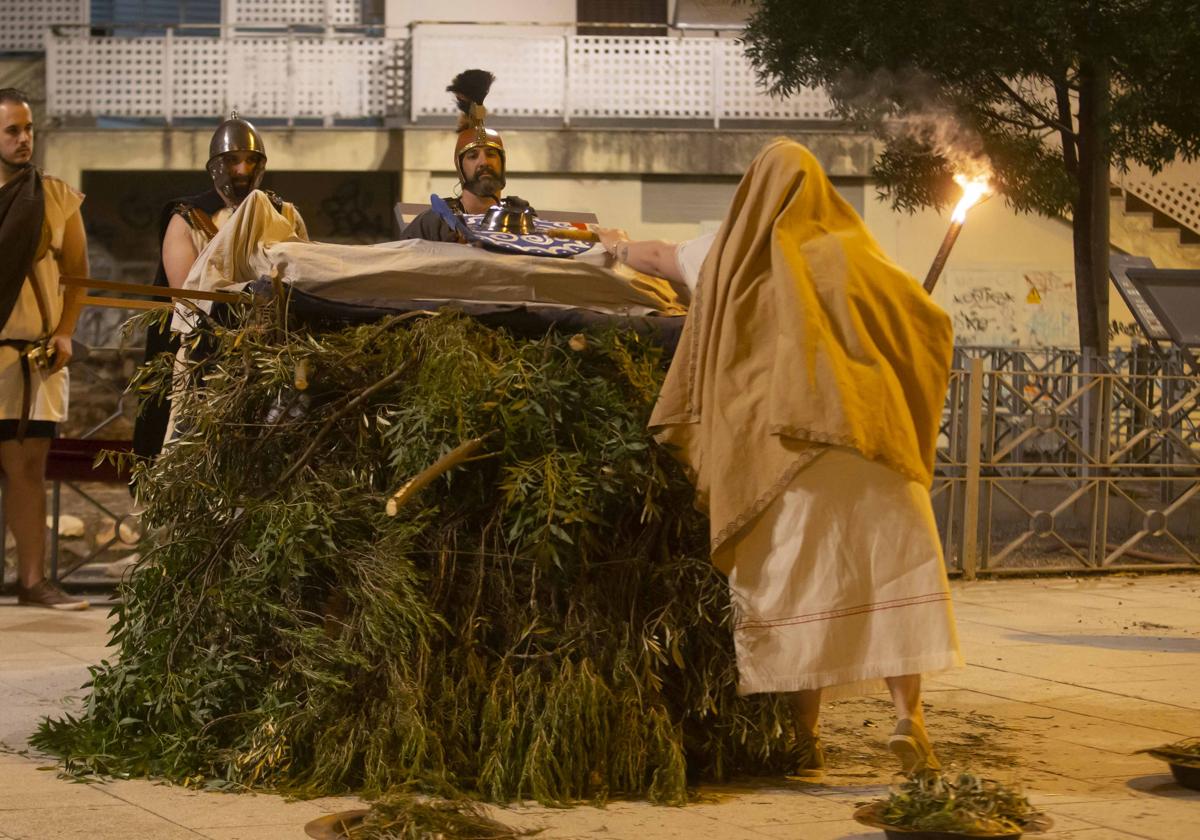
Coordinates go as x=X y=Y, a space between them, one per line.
x=621 y=11
x=156 y=11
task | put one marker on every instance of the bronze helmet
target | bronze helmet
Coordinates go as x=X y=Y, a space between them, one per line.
x=470 y=88
x=472 y=138
x=235 y=135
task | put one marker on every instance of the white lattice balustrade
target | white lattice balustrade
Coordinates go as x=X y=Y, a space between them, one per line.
x=195 y=63
x=105 y=76
x=562 y=75
x=662 y=78
x=311 y=12
x=1178 y=199
x=24 y=23
x=546 y=73
x=742 y=98
x=270 y=76
x=528 y=68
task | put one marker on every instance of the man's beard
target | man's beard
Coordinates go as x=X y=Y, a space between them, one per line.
x=15 y=165
x=485 y=183
x=241 y=187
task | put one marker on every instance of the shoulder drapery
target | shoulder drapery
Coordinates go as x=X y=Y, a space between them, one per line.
x=28 y=391
x=22 y=222
x=802 y=335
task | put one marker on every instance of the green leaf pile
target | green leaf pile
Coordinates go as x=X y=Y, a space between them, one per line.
x=963 y=804
x=542 y=621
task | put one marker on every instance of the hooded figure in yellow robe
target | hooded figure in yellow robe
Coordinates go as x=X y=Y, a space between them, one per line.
x=804 y=401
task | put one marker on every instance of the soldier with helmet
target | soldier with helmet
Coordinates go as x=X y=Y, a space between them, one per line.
x=479 y=160
x=237 y=162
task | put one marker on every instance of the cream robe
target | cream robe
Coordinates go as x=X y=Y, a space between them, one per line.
x=49 y=391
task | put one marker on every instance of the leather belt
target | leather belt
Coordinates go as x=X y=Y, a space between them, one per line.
x=24 y=349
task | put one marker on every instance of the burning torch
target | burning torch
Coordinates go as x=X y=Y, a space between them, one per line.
x=974 y=190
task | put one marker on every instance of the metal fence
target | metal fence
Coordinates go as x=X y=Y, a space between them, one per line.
x=1050 y=461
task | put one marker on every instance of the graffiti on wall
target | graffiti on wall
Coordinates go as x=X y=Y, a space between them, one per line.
x=1010 y=307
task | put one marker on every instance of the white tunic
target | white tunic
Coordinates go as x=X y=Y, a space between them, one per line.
x=840 y=583
x=49 y=392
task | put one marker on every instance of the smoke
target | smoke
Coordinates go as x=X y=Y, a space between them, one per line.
x=909 y=104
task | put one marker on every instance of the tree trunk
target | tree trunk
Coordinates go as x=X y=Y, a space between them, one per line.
x=1091 y=223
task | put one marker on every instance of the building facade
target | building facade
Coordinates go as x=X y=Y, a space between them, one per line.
x=643 y=113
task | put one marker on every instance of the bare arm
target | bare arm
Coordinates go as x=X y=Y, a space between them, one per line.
x=73 y=261
x=649 y=256
x=178 y=252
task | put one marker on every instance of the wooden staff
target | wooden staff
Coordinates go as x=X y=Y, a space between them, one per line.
x=144 y=290
x=939 y=262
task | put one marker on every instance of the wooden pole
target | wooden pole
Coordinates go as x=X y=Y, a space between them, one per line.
x=148 y=291
x=939 y=262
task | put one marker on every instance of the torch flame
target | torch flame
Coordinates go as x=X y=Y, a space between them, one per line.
x=973 y=189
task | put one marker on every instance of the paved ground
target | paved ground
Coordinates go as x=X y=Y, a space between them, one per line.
x=1066 y=678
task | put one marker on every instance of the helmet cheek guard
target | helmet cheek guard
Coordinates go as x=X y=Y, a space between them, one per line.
x=225 y=183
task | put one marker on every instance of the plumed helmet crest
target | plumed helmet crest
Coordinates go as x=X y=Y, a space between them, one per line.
x=470 y=88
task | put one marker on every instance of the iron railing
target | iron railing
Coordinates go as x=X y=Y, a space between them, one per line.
x=1051 y=461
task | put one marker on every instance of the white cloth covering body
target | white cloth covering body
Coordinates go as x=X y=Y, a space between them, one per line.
x=49 y=392
x=259 y=242
x=289 y=224
x=840 y=582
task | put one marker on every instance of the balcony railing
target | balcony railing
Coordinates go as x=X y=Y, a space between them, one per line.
x=352 y=72
x=25 y=24
x=180 y=72
x=555 y=74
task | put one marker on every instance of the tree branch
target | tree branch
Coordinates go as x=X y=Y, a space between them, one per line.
x=1029 y=108
x=1028 y=126
x=329 y=424
x=447 y=462
x=1070 y=140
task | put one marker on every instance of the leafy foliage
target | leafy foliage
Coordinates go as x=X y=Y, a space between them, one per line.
x=1050 y=95
x=402 y=816
x=541 y=621
x=966 y=804
x=1185 y=752
x=1001 y=75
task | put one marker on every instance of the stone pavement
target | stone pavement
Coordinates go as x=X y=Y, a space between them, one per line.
x=1066 y=678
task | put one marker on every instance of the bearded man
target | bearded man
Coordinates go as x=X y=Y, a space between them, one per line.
x=479 y=160
x=237 y=162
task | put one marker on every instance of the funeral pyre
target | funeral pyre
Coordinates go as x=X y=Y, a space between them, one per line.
x=540 y=621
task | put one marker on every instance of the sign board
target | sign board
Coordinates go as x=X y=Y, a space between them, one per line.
x=1119 y=266
x=1174 y=295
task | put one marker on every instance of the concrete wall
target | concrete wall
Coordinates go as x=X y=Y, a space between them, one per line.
x=1009 y=279
x=67 y=152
